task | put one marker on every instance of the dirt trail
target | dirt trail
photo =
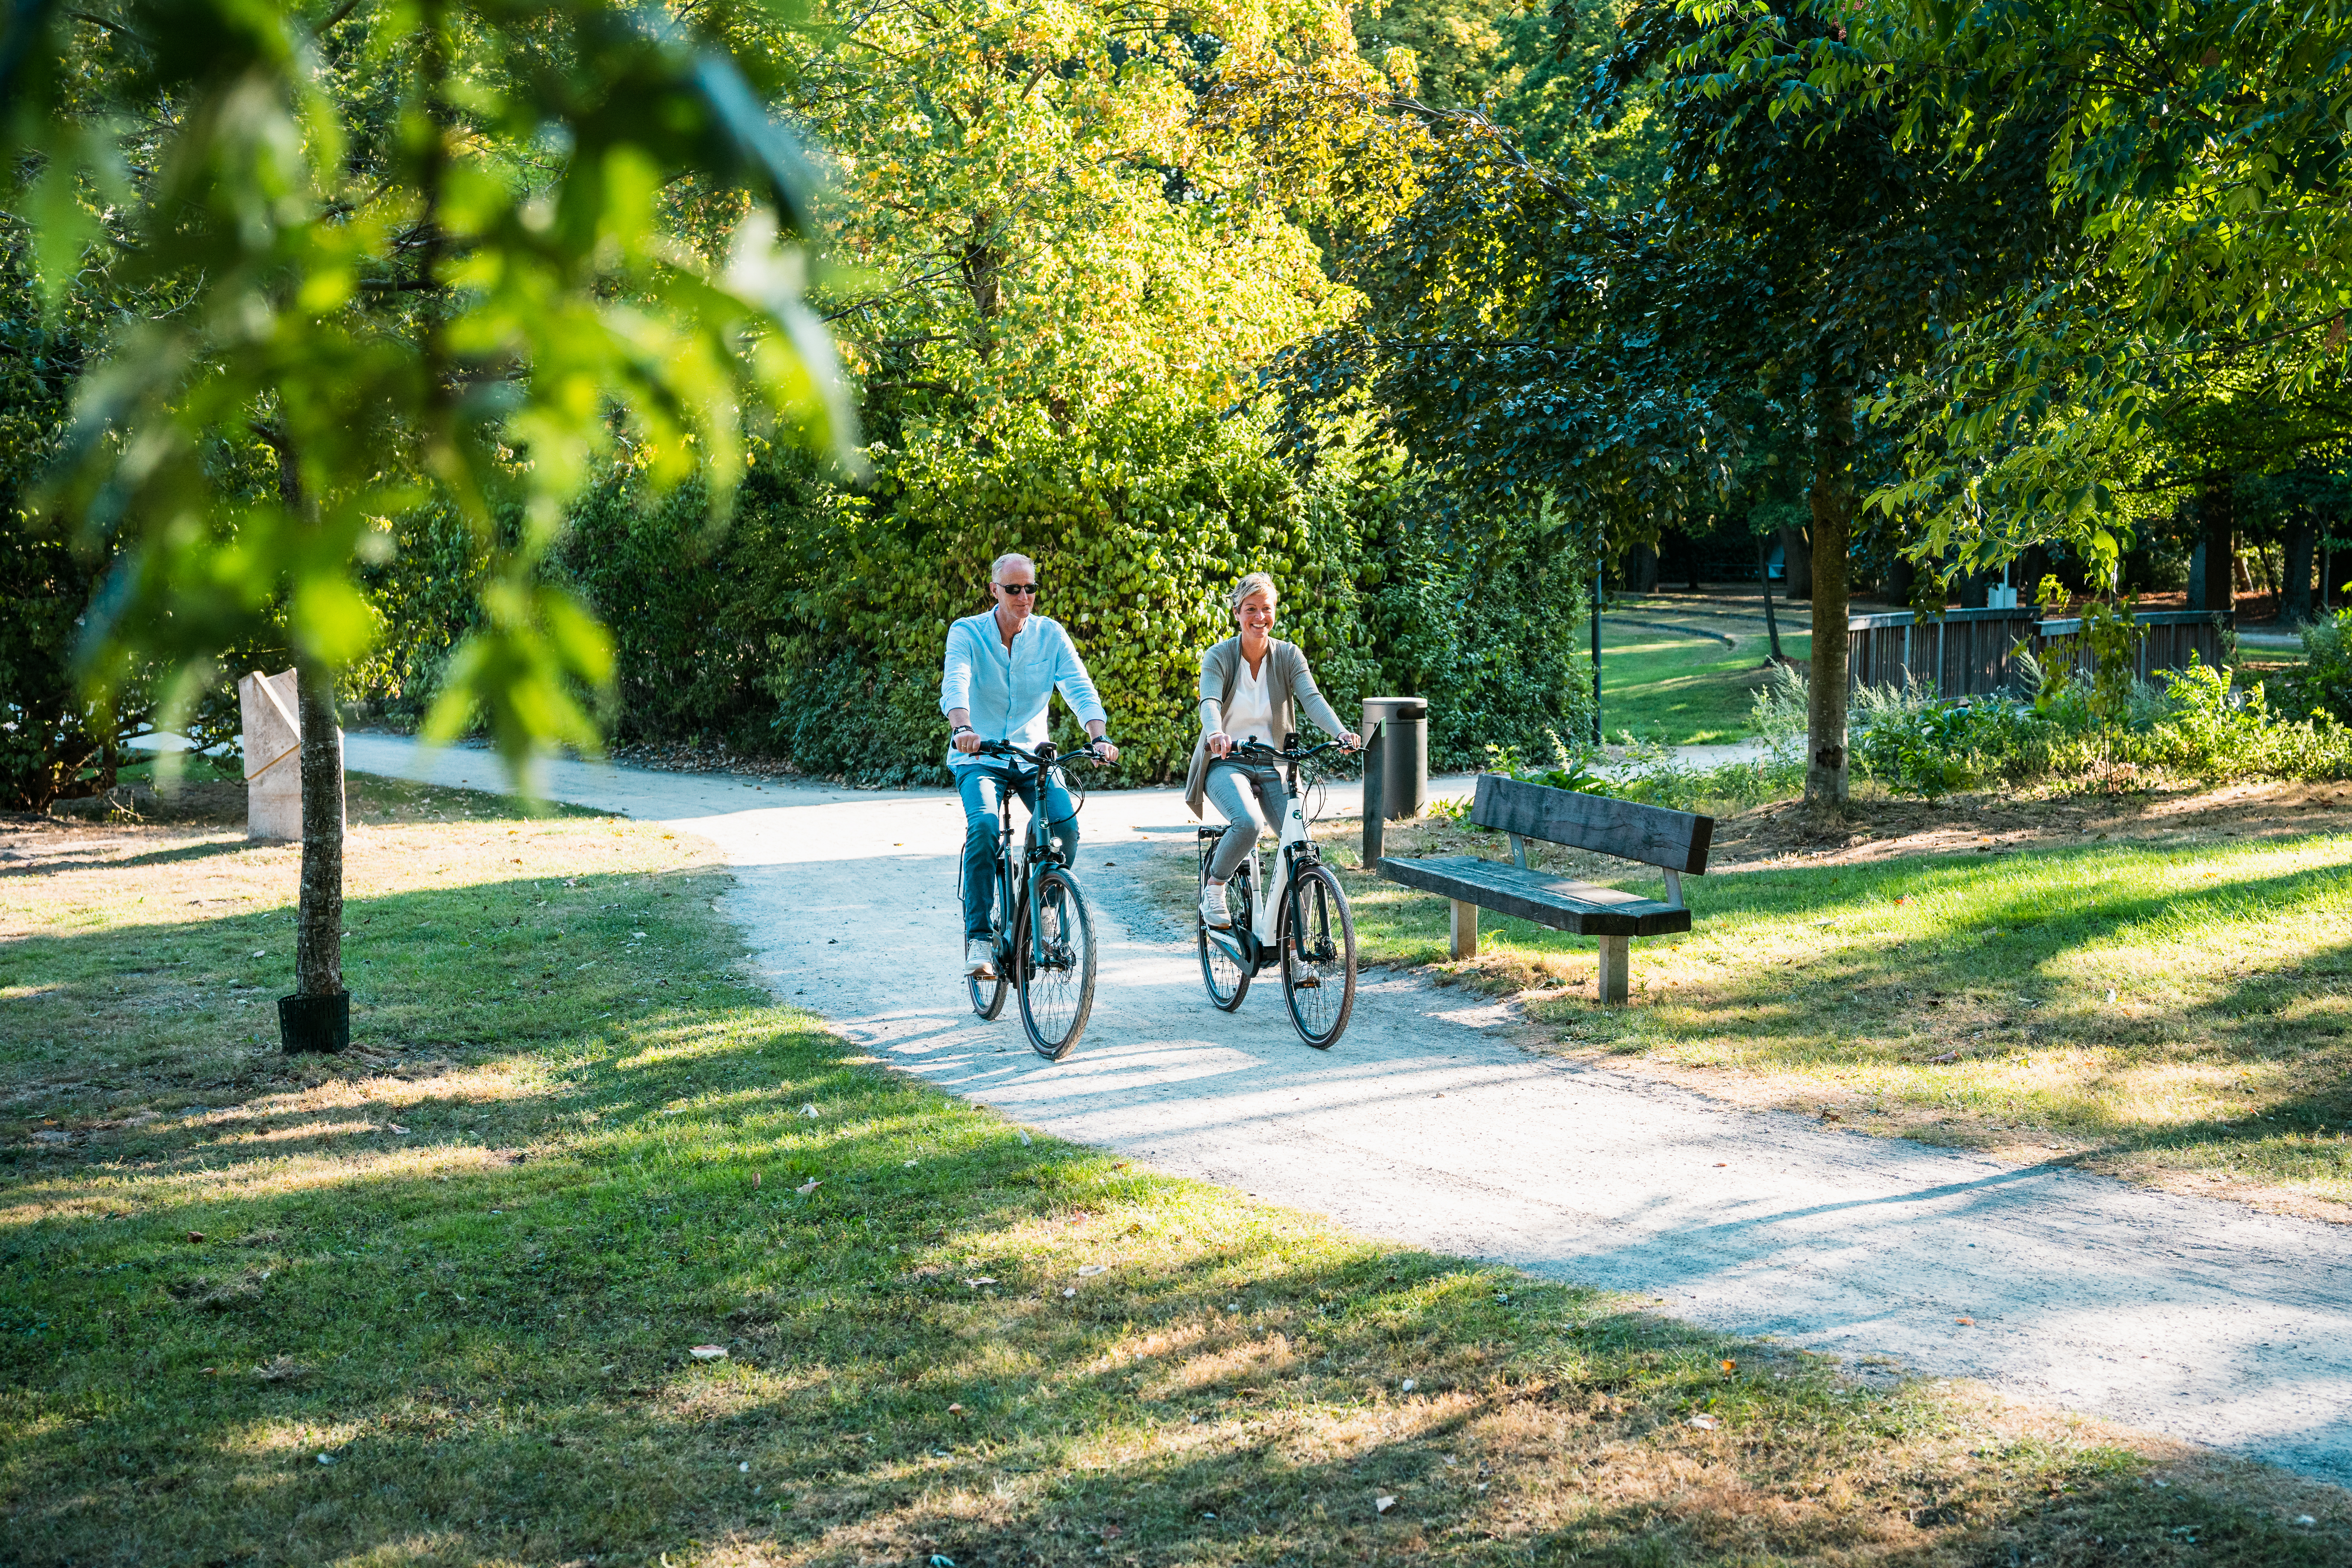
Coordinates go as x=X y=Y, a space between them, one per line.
x=2195 y=1318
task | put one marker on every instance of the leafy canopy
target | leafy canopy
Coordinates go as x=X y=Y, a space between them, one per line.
x=412 y=251
x=2194 y=313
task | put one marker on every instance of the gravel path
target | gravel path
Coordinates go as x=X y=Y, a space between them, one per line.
x=2201 y=1320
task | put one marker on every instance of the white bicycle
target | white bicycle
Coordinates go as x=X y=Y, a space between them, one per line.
x=1301 y=922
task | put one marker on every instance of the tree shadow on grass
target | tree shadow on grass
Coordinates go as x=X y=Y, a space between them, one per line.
x=500 y=1364
x=256 y=1333
x=2015 y=936
x=178 y=855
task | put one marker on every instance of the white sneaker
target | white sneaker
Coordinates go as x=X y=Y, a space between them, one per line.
x=979 y=958
x=1212 y=907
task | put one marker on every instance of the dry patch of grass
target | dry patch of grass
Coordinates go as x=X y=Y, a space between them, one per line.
x=441 y=1300
x=2157 y=986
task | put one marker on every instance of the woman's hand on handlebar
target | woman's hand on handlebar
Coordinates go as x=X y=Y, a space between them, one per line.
x=1350 y=742
x=1220 y=744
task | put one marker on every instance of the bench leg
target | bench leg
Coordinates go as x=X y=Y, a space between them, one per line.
x=1466 y=929
x=1616 y=954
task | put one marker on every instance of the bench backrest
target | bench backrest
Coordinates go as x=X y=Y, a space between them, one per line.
x=1649 y=834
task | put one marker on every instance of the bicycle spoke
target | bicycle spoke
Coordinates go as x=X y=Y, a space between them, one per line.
x=1226 y=976
x=1319 y=958
x=1056 y=945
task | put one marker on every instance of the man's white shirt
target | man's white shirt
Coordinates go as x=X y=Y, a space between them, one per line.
x=1007 y=691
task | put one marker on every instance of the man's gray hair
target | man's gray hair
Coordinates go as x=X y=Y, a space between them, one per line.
x=1255 y=583
x=1006 y=559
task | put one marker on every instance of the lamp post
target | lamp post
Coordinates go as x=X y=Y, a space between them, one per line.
x=1598 y=556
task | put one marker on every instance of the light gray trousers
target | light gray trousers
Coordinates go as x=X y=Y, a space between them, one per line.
x=1250 y=796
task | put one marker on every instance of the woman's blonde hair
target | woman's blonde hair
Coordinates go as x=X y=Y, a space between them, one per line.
x=1255 y=583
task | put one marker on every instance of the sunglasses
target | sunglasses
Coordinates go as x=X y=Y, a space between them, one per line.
x=1018 y=587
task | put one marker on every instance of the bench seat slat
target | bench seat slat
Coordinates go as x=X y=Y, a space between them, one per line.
x=1563 y=903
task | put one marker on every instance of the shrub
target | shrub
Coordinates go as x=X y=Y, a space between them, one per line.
x=1138 y=522
x=55 y=743
x=2324 y=684
x=2194 y=724
x=1569 y=770
x=1907 y=740
x=2210 y=731
x=812 y=625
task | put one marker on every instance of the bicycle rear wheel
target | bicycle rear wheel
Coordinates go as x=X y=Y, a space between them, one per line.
x=1319 y=958
x=1226 y=976
x=987 y=996
x=1055 y=969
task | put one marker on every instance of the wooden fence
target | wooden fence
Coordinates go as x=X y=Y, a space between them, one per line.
x=1971 y=653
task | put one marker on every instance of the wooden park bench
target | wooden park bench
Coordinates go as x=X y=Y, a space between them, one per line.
x=1675 y=841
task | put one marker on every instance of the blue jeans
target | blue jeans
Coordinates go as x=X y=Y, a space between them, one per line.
x=983 y=786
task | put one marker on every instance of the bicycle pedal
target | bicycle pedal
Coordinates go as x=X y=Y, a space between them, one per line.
x=1308 y=983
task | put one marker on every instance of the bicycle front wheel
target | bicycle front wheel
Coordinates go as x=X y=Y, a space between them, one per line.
x=1319 y=957
x=1054 y=946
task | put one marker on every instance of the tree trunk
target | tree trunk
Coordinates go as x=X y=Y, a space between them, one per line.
x=1826 y=776
x=1798 y=555
x=2294 y=606
x=2220 y=591
x=318 y=920
x=2031 y=567
x=1901 y=582
x=982 y=266
x=319 y=912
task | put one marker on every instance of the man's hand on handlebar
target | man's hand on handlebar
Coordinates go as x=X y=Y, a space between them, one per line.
x=968 y=742
x=1102 y=748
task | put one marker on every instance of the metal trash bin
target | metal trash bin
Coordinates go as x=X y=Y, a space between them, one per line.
x=1403 y=759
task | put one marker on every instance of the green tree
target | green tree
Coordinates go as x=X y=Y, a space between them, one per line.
x=1069 y=258
x=2197 y=155
x=1811 y=248
x=1041 y=215
x=1540 y=347
x=417 y=256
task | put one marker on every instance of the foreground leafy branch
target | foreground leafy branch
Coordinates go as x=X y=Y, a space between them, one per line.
x=410 y=256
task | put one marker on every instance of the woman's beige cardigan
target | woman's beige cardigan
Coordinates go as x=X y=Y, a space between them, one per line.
x=1287 y=680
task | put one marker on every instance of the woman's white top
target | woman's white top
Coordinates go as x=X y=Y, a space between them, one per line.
x=1249 y=711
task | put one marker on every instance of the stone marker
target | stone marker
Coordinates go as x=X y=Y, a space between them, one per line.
x=273 y=755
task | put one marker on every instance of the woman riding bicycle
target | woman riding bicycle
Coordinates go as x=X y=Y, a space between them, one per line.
x=1250 y=684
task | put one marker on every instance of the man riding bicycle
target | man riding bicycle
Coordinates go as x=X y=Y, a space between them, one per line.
x=1001 y=670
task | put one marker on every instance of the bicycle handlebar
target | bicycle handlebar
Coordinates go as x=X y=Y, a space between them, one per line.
x=1289 y=754
x=1044 y=756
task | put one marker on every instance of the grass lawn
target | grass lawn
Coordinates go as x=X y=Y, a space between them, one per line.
x=2158 y=987
x=1684 y=690
x=440 y=1300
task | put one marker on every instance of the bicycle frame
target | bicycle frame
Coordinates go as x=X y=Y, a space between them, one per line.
x=1037 y=854
x=1293 y=845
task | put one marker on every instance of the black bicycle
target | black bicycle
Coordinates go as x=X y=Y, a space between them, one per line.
x=1042 y=938
x=1302 y=921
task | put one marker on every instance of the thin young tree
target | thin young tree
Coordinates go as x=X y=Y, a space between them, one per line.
x=1809 y=241
x=411 y=253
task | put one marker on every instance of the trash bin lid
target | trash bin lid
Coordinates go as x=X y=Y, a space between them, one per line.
x=1379 y=707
